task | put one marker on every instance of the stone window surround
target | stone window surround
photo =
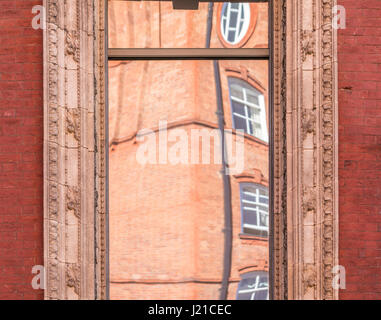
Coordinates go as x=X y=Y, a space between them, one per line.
x=305 y=213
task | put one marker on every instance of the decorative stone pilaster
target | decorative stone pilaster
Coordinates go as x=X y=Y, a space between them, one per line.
x=311 y=129
x=72 y=85
x=278 y=247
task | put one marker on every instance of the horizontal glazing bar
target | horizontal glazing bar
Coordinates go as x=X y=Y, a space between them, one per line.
x=180 y=53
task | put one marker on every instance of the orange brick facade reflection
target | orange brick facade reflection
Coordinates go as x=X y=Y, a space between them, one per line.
x=167 y=221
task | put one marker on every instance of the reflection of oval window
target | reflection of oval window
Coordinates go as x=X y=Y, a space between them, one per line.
x=235 y=21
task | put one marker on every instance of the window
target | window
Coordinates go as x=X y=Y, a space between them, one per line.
x=254 y=209
x=253 y=286
x=163 y=127
x=235 y=21
x=248 y=108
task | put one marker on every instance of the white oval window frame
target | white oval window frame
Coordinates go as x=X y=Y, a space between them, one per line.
x=245 y=26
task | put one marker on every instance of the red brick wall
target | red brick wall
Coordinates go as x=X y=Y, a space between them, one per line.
x=359 y=57
x=21 y=131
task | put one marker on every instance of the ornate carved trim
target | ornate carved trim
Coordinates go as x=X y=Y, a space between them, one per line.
x=73 y=69
x=311 y=130
x=101 y=145
x=279 y=246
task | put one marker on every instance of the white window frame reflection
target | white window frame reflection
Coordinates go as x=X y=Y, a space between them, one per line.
x=257 y=207
x=256 y=287
x=242 y=24
x=255 y=126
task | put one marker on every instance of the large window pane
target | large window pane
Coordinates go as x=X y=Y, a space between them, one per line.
x=166 y=189
x=155 y=24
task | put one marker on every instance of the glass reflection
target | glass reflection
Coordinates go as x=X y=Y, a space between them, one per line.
x=155 y=24
x=173 y=201
x=235 y=21
x=167 y=200
x=253 y=286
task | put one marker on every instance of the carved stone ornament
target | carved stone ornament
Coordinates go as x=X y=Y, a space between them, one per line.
x=73 y=277
x=74 y=184
x=305 y=150
x=311 y=149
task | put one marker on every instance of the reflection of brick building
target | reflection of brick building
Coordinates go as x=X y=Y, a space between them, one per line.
x=166 y=221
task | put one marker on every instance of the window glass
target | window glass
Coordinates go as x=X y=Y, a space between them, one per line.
x=171 y=197
x=248 y=106
x=155 y=24
x=239 y=109
x=235 y=21
x=253 y=286
x=166 y=187
x=254 y=207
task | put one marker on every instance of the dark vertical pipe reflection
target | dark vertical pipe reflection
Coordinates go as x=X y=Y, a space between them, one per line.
x=209 y=24
x=228 y=233
x=227 y=260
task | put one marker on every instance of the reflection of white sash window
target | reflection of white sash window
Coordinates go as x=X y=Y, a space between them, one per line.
x=255 y=209
x=253 y=286
x=249 y=110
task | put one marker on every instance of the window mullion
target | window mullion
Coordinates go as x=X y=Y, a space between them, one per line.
x=228 y=21
x=263 y=120
x=237 y=31
x=246 y=111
